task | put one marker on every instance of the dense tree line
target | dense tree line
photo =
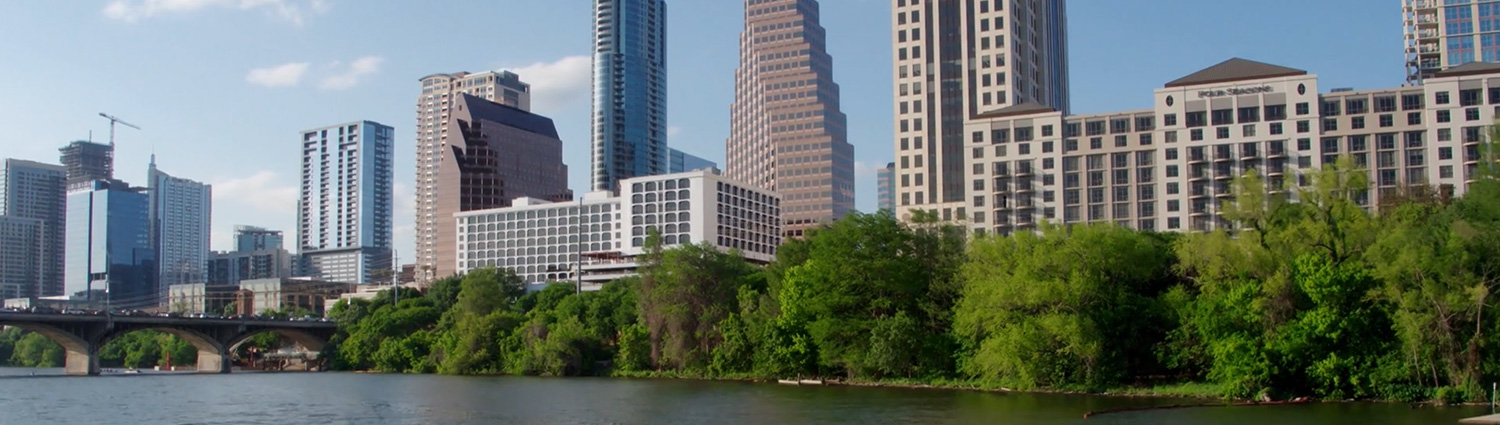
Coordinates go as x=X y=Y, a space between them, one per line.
x=1305 y=293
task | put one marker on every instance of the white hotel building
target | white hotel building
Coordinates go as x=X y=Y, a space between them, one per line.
x=542 y=240
x=1169 y=167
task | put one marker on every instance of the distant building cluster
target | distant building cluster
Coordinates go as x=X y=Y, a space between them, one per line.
x=984 y=136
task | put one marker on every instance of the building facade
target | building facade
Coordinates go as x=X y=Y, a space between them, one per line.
x=36 y=191
x=262 y=295
x=87 y=162
x=487 y=153
x=955 y=60
x=180 y=221
x=1447 y=33
x=787 y=132
x=1170 y=167
x=109 y=258
x=679 y=162
x=542 y=240
x=230 y=268
x=885 y=188
x=21 y=267
x=346 y=195
x=629 y=136
x=252 y=238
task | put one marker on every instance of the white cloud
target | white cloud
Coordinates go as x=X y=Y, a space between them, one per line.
x=673 y=131
x=259 y=191
x=350 y=77
x=559 y=84
x=294 y=11
x=863 y=170
x=285 y=75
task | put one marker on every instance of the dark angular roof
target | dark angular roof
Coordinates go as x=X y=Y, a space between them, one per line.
x=1235 y=69
x=1470 y=68
x=486 y=110
x=1019 y=109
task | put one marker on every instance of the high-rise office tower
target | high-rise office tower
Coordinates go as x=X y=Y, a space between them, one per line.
x=885 y=189
x=180 y=224
x=630 y=90
x=1445 y=34
x=679 y=162
x=786 y=130
x=252 y=238
x=955 y=60
x=109 y=255
x=435 y=150
x=88 y=161
x=490 y=150
x=20 y=262
x=344 y=212
x=36 y=191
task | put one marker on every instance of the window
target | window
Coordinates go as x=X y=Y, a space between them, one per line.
x=1171 y=154
x=1195 y=135
x=1197 y=119
x=1356 y=105
x=1276 y=128
x=1222 y=133
x=1275 y=112
x=1304 y=126
x=1411 y=102
x=1223 y=116
x=1469 y=97
x=1248 y=130
x=1413 y=118
x=1169 y=120
x=1471 y=114
x=1330 y=145
x=1304 y=144
x=1387 y=103
x=1096 y=143
x=1440 y=98
x=1122 y=141
x=1356 y=123
x=1330 y=108
x=1047 y=131
x=1444 y=116
x=1386 y=120
x=1249 y=114
x=1445 y=134
x=1330 y=124
x=1303 y=108
x=1445 y=153
x=1145 y=139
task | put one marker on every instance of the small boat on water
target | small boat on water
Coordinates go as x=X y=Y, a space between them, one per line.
x=787 y=381
x=132 y=371
x=810 y=382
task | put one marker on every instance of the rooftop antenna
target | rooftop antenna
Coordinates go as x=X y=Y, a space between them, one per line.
x=112 y=121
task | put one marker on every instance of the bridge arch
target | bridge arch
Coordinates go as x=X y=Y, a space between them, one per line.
x=79 y=353
x=211 y=354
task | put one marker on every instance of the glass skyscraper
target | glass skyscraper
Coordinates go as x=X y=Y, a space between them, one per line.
x=109 y=255
x=630 y=91
x=345 y=204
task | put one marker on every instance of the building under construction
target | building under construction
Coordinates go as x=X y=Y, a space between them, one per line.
x=87 y=162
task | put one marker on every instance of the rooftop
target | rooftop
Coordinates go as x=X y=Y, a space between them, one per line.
x=1235 y=69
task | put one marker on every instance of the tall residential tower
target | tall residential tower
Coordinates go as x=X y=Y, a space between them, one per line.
x=630 y=91
x=35 y=191
x=955 y=60
x=180 y=214
x=787 y=133
x=1445 y=34
x=344 y=213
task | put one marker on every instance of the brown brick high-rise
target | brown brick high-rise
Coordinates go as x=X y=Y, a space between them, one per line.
x=786 y=132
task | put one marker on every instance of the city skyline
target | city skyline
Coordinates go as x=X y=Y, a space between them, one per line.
x=258 y=183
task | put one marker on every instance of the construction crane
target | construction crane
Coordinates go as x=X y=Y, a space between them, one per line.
x=112 y=121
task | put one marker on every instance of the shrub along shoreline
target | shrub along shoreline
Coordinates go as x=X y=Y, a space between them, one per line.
x=1317 y=298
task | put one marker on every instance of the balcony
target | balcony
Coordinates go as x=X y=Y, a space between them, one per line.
x=1427 y=34
x=1198 y=177
x=1197 y=159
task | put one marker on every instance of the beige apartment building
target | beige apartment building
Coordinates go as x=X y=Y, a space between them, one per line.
x=1169 y=167
x=955 y=60
x=787 y=133
x=478 y=147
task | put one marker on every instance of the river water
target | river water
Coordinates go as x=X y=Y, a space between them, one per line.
x=347 y=398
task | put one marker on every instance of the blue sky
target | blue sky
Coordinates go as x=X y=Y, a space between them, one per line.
x=222 y=88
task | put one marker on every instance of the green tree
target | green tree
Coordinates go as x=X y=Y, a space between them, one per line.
x=35 y=350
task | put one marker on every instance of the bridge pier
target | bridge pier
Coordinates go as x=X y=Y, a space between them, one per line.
x=83 y=362
x=213 y=361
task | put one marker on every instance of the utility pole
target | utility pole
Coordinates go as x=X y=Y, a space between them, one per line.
x=112 y=121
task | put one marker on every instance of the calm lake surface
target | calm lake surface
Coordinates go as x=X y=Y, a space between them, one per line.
x=346 y=398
